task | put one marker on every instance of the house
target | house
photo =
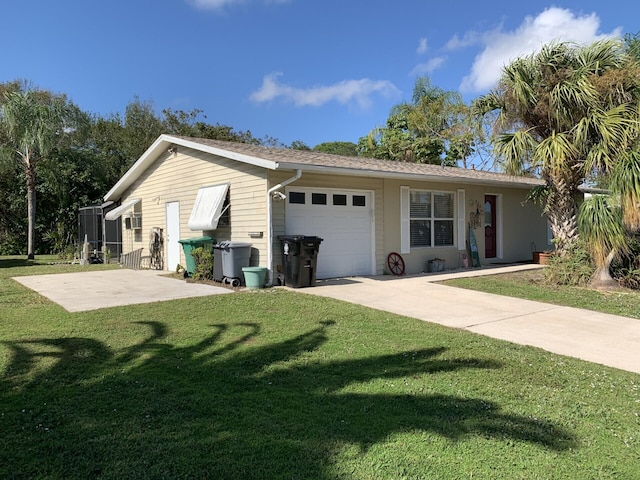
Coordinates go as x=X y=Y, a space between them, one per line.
x=363 y=209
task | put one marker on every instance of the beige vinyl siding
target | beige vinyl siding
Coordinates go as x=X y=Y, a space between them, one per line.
x=177 y=177
x=521 y=224
x=316 y=180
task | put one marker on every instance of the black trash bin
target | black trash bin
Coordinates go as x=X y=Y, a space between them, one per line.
x=299 y=259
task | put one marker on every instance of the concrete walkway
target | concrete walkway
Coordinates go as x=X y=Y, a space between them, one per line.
x=81 y=291
x=597 y=337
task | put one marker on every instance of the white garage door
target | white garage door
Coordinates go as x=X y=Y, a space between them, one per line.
x=343 y=219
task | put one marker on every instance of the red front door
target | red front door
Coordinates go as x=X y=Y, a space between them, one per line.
x=490 y=226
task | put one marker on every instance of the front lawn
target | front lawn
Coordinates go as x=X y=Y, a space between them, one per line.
x=278 y=384
x=528 y=284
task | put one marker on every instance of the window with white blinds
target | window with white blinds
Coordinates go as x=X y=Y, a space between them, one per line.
x=431 y=219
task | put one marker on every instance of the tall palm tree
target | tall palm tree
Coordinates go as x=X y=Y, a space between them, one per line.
x=565 y=113
x=34 y=122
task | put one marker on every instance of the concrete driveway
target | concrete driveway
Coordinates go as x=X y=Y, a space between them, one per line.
x=81 y=291
x=601 y=338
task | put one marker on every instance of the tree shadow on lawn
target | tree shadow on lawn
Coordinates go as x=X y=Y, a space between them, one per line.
x=229 y=406
x=17 y=262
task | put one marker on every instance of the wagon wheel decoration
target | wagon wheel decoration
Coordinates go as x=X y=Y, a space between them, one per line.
x=395 y=263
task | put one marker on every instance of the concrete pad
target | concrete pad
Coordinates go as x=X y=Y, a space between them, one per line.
x=596 y=337
x=82 y=291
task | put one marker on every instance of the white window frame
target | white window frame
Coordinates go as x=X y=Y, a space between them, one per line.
x=405 y=216
x=462 y=234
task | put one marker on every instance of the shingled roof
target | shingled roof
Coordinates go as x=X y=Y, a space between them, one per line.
x=311 y=161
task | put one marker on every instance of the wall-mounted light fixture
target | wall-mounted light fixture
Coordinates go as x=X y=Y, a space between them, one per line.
x=173 y=149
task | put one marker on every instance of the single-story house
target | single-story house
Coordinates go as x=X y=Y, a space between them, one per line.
x=363 y=209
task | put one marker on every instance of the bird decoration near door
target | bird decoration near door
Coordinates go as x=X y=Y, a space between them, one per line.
x=476 y=214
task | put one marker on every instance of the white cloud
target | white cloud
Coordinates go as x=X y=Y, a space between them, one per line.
x=347 y=91
x=428 y=67
x=468 y=39
x=500 y=47
x=213 y=4
x=422 y=46
x=220 y=5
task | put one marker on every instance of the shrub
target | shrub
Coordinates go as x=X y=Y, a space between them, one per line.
x=203 y=259
x=574 y=268
x=626 y=269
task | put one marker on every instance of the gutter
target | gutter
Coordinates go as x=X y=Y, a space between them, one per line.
x=270 y=192
x=509 y=182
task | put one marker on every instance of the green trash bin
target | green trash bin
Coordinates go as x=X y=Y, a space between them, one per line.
x=188 y=245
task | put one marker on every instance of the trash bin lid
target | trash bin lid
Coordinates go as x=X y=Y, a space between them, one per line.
x=227 y=244
x=299 y=238
x=291 y=238
x=196 y=240
x=238 y=244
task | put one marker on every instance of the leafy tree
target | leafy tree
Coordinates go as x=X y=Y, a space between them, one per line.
x=69 y=178
x=632 y=44
x=565 y=113
x=347 y=149
x=299 y=145
x=36 y=122
x=435 y=127
x=141 y=128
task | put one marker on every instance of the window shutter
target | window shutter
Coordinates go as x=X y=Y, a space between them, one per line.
x=462 y=238
x=404 y=220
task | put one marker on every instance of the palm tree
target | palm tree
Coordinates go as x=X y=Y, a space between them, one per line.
x=34 y=122
x=601 y=226
x=565 y=113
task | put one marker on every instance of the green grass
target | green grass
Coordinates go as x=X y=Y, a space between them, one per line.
x=529 y=285
x=278 y=384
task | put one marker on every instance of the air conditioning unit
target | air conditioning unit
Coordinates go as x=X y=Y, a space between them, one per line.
x=133 y=222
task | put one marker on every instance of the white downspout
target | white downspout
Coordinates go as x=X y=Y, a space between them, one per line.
x=270 y=223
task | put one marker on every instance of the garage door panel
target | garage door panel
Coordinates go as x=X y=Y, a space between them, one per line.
x=346 y=249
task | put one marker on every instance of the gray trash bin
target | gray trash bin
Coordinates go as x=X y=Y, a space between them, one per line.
x=218 y=275
x=234 y=256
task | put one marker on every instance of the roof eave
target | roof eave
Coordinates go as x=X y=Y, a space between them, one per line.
x=405 y=176
x=162 y=143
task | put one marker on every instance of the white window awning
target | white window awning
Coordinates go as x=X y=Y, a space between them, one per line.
x=207 y=209
x=118 y=211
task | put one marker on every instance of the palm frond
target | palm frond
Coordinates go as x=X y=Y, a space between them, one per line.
x=514 y=151
x=600 y=56
x=600 y=224
x=625 y=182
x=557 y=151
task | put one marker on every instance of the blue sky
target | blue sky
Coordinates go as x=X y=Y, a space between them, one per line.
x=309 y=70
